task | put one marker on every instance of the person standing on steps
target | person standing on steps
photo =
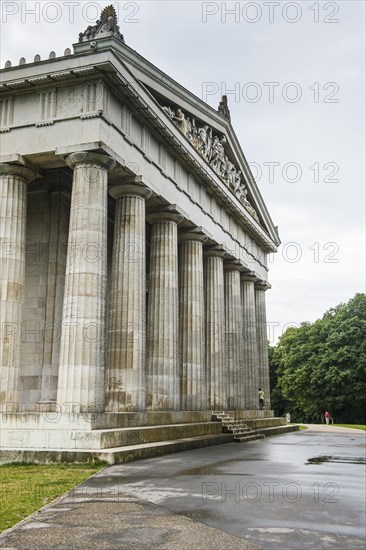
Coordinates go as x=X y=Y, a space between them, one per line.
x=261 y=398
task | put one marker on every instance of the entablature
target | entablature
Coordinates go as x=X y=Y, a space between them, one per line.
x=107 y=66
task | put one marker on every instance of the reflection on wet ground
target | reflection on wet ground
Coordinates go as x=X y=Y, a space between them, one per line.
x=294 y=491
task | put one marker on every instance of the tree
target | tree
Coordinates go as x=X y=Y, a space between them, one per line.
x=322 y=365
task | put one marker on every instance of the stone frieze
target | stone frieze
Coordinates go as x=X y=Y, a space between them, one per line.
x=211 y=147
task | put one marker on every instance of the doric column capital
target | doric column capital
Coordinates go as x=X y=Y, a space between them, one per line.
x=90 y=158
x=249 y=277
x=157 y=217
x=17 y=170
x=197 y=234
x=262 y=285
x=233 y=266
x=171 y=213
x=216 y=251
x=133 y=186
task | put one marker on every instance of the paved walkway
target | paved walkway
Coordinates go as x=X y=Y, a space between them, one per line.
x=332 y=429
x=304 y=490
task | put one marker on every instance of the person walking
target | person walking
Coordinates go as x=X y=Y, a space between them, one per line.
x=327 y=416
x=261 y=398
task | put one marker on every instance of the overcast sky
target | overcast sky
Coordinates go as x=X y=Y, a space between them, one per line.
x=294 y=76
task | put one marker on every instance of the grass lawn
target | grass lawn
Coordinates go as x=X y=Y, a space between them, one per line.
x=356 y=426
x=24 y=488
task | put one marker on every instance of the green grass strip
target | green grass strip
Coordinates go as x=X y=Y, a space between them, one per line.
x=25 y=488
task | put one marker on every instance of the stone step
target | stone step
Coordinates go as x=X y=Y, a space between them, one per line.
x=277 y=430
x=222 y=416
x=105 y=438
x=244 y=438
x=257 y=423
x=152 y=434
x=113 y=455
x=251 y=428
x=147 y=418
x=233 y=424
x=237 y=429
x=237 y=424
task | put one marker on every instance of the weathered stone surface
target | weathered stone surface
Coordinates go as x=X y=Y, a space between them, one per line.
x=250 y=347
x=197 y=354
x=262 y=342
x=234 y=337
x=162 y=321
x=13 y=206
x=125 y=377
x=82 y=352
x=215 y=329
x=56 y=259
x=191 y=325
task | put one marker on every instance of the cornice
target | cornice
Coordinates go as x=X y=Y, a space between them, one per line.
x=104 y=66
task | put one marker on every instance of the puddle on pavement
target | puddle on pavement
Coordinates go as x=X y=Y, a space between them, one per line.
x=207 y=471
x=216 y=468
x=337 y=459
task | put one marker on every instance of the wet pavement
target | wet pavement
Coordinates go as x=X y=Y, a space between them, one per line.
x=303 y=490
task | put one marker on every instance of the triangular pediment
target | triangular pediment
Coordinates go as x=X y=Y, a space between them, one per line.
x=207 y=131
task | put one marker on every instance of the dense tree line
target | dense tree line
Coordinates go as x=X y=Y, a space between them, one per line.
x=322 y=365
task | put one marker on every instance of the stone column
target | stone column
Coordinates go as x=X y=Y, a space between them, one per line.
x=82 y=350
x=59 y=218
x=13 y=212
x=250 y=346
x=263 y=364
x=125 y=376
x=234 y=336
x=162 y=321
x=215 y=329
x=191 y=322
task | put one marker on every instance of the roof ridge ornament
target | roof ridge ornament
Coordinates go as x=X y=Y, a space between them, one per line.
x=223 y=108
x=106 y=26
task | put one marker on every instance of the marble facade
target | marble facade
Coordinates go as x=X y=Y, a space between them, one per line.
x=132 y=274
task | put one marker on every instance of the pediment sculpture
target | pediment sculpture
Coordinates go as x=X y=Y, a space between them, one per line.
x=223 y=108
x=212 y=148
x=108 y=23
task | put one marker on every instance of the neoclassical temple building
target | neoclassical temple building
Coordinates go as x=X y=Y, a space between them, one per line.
x=133 y=256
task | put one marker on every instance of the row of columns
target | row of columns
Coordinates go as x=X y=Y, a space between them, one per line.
x=203 y=344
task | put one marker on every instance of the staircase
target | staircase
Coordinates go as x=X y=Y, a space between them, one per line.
x=241 y=431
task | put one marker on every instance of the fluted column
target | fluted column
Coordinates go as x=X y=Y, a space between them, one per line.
x=60 y=208
x=13 y=213
x=125 y=376
x=234 y=335
x=250 y=364
x=191 y=322
x=215 y=329
x=82 y=350
x=162 y=321
x=263 y=363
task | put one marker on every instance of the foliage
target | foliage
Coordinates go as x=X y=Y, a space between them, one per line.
x=27 y=487
x=322 y=366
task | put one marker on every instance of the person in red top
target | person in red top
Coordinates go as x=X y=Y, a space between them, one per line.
x=327 y=416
